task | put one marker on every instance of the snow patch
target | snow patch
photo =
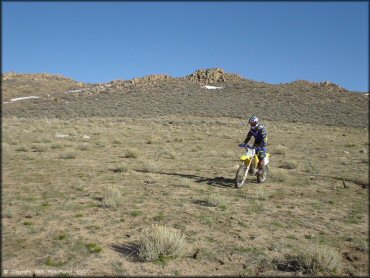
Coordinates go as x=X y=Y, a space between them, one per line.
x=212 y=87
x=86 y=137
x=59 y=135
x=75 y=91
x=21 y=98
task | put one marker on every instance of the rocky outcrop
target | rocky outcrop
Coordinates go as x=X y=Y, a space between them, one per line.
x=207 y=76
x=151 y=79
x=35 y=77
x=212 y=76
x=324 y=85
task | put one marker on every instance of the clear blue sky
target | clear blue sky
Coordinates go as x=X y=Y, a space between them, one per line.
x=271 y=42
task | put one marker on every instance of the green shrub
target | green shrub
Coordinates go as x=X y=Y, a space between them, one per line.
x=93 y=247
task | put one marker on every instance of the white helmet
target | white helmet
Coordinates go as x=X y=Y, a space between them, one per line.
x=253 y=121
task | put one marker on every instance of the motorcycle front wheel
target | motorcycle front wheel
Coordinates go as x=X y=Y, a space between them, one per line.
x=241 y=176
x=261 y=178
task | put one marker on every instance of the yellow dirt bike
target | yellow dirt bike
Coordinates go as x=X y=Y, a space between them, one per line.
x=250 y=166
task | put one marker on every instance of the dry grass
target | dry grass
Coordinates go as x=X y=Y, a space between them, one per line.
x=150 y=167
x=213 y=200
x=131 y=153
x=279 y=149
x=121 y=168
x=277 y=175
x=112 y=197
x=161 y=242
x=101 y=198
x=289 y=164
x=318 y=259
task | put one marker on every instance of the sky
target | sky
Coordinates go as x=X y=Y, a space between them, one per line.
x=274 y=42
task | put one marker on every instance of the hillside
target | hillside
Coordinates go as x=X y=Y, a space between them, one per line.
x=93 y=174
x=160 y=95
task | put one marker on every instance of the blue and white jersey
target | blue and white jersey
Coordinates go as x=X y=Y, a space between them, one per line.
x=260 y=136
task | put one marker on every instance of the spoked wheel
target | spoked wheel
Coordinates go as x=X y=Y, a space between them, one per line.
x=262 y=177
x=241 y=176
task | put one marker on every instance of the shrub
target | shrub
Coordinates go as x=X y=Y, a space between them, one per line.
x=185 y=182
x=39 y=148
x=112 y=197
x=279 y=149
x=277 y=175
x=56 y=146
x=68 y=155
x=212 y=200
x=159 y=242
x=93 y=247
x=131 y=153
x=316 y=258
x=83 y=147
x=289 y=164
x=116 y=142
x=136 y=213
x=21 y=149
x=150 y=167
x=119 y=168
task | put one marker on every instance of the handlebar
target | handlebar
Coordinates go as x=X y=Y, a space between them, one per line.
x=243 y=145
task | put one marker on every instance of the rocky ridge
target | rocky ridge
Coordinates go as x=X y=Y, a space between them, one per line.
x=212 y=76
x=34 y=76
x=326 y=85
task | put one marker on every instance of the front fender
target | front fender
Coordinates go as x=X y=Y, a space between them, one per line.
x=245 y=158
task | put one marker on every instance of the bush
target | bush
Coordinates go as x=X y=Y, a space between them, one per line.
x=289 y=164
x=120 y=168
x=185 y=182
x=93 y=247
x=131 y=153
x=160 y=242
x=316 y=258
x=215 y=200
x=277 y=175
x=279 y=149
x=150 y=167
x=39 y=148
x=21 y=149
x=68 y=155
x=112 y=197
x=83 y=147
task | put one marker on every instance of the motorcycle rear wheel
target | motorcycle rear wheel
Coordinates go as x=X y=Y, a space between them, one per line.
x=241 y=176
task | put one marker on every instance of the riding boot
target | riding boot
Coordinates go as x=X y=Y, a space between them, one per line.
x=260 y=166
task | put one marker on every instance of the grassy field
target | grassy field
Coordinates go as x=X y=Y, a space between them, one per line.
x=85 y=196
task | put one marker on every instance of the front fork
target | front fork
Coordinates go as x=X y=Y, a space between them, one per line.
x=248 y=164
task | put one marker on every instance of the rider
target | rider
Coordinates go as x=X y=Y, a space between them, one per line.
x=258 y=131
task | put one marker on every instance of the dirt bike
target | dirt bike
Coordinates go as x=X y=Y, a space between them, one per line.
x=250 y=166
